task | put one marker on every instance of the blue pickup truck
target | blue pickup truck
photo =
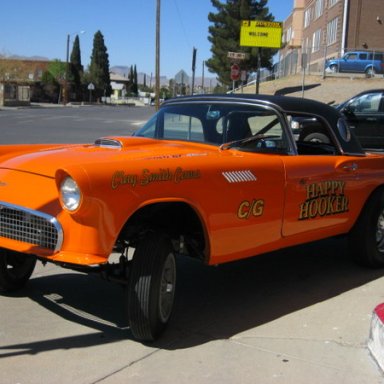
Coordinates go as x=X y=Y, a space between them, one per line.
x=370 y=63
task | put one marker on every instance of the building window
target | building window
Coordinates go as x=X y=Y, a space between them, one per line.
x=307 y=47
x=289 y=34
x=307 y=17
x=331 y=3
x=10 y=92
x=316 y=41
x=332 y=31
x=319 y=7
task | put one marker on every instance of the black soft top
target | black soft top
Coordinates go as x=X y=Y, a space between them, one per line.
x=287 y=105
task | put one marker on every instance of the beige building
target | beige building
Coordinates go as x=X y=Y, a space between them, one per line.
x=317 y=30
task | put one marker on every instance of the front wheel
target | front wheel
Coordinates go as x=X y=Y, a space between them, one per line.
x=15 y=269
x=334 y=68
x=151 y=288
x=367 y=237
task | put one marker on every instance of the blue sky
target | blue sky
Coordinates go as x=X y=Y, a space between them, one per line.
x=30 y=28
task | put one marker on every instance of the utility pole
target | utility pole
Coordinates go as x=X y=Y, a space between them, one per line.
x=202 y=78
x=65 y=90
x=193 y=69
x=157 y=75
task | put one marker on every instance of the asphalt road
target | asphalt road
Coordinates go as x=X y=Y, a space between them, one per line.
x=296 y=316
x=69 y=124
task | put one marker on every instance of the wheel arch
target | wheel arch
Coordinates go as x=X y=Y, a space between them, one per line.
x=370 y=68
x=364 y=244
x=178 y=219
x=379 y=189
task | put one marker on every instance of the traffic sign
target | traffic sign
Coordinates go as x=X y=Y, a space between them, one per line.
x=238 y=55
x=235 y=72
x=256 y=33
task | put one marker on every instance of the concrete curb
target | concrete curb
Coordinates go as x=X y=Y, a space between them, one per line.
x=376 y=336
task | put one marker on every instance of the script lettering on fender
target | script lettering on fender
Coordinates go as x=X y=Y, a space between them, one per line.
x=324 y=199
x=147 y=177
x=253 y=208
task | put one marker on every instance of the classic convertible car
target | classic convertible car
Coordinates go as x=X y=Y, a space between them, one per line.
x=217 y=178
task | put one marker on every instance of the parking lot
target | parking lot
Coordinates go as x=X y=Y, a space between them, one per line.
x=296 y=316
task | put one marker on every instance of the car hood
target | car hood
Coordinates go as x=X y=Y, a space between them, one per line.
x=47 y=159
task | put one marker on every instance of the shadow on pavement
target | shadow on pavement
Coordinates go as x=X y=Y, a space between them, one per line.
x=287 y=90
x=212 y=302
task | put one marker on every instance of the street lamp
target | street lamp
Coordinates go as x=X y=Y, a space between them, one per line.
x=157 y=75
x=65 y=98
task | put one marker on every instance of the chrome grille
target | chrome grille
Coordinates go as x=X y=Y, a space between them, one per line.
x=28 y=226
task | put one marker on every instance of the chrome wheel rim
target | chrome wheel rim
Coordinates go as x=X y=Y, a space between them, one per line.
x=167 y=288
x=380 y=233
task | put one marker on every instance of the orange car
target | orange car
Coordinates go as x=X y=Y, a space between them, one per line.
x=217 y=178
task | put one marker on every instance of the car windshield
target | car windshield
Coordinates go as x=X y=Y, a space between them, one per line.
x=216 y=124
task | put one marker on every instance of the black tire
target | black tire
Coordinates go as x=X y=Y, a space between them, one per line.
x=15 y=269
x=370 y=72
x=317 y=137
x=334 y=68
x=366 y=240
x=151 y=288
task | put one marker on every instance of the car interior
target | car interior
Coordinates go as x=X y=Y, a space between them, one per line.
x=248 y=130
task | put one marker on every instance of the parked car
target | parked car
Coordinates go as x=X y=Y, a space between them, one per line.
x=365 y=115
x=215 y=178
x=370 y=63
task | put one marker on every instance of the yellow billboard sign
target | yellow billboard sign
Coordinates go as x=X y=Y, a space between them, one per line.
x=255 y=33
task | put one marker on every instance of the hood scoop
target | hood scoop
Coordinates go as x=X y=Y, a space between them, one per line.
x=105 y=142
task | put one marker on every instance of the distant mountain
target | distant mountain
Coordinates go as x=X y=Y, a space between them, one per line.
x=32 y=58
x=120 y=70
x=124 y=71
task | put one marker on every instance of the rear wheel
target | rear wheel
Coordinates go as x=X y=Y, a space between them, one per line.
x=15 y=269
x=370 y=72
x=367 y=237
x=151 y=288
x=317 y=137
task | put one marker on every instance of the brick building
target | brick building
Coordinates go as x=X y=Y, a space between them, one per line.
x=16 y=78
x=317 y=30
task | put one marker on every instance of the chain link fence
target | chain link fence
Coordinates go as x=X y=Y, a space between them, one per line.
x=318 y=61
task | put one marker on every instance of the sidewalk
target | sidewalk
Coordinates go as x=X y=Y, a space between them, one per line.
x=298 y=316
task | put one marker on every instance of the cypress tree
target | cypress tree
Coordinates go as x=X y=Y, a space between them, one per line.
x=76 y=67
x=134 y=83
x=224 y=34
x=99 y=67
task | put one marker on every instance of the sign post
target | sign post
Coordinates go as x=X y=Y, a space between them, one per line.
x=91 y=87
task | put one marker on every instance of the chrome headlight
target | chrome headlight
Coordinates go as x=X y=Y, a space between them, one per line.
x=70 y=194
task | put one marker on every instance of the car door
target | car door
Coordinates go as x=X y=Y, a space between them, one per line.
x=320 y=191
x=365 y=115
x=321 y=186
x=246 y=213
x=349 y=63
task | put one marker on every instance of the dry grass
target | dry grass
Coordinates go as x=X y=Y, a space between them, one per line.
x=331 y=89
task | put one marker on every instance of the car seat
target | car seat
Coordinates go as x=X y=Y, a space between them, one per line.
x=238 y=127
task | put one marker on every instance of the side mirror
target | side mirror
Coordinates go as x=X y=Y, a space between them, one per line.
x=349 y=110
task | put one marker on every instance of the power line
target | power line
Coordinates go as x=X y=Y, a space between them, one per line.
x=181 y=23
